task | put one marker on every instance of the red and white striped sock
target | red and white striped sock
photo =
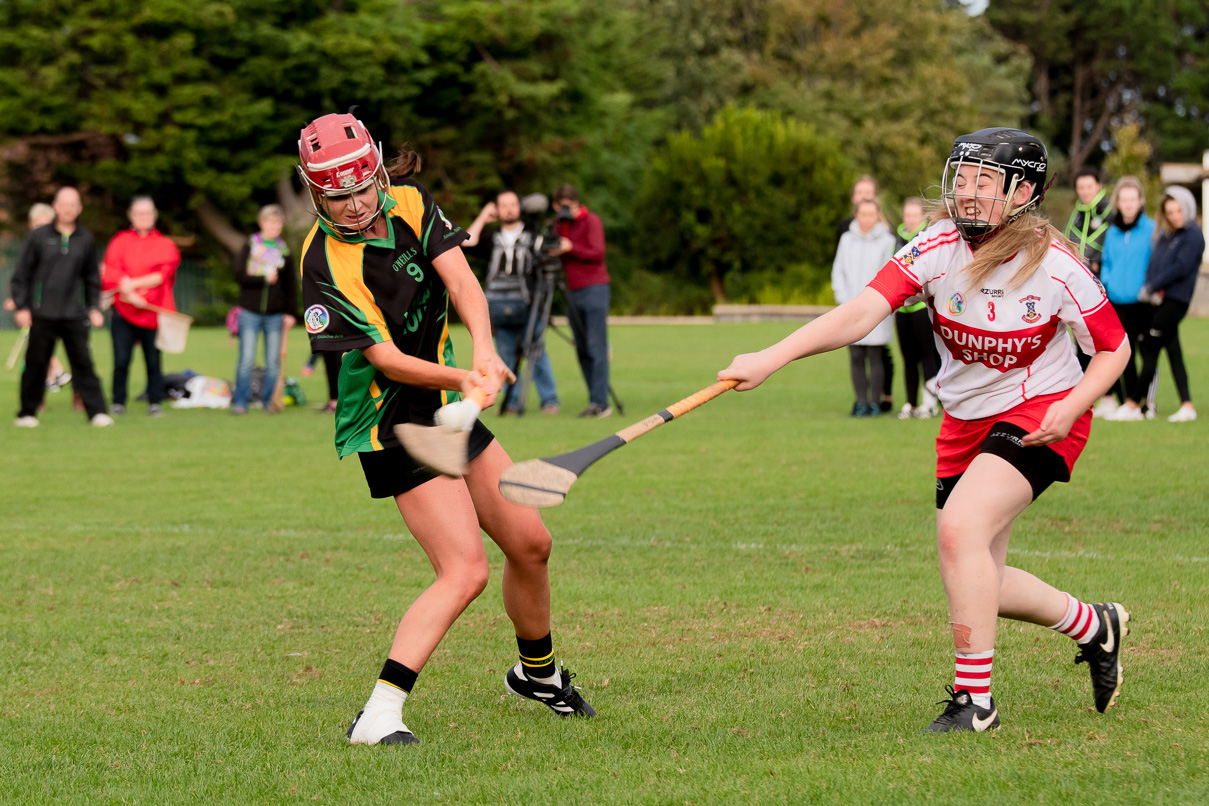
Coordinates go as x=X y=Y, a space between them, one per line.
x=1081 y=621
x=974 y=675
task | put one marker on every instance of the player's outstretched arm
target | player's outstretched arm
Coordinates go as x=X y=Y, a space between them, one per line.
x=837 y=328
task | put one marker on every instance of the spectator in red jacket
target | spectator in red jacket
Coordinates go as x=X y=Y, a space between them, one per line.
x=140 y=268
x=582 y=249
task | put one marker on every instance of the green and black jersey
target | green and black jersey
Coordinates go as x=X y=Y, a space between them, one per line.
x=359 y=291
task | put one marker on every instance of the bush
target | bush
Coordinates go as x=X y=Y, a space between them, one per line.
x=754 y=194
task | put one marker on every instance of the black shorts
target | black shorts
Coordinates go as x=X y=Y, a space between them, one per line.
x=1041 y=465
x=392 y=471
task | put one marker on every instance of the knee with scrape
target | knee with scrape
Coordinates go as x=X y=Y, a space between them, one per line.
x=961 y=635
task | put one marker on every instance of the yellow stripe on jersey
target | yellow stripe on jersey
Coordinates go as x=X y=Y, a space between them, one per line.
x=306 y=244
x=441 y=349
x=344 y=261
x=373 y=438
x=409 y=206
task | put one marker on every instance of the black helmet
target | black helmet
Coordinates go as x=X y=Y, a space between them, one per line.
x=1015 y=155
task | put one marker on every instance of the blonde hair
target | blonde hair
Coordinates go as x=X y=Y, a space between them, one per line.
x=271 y=211
x=41 y=212
x=1030 y=234
x=1128 y=182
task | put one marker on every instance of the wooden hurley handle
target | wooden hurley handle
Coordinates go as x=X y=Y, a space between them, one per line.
x=478 y=396
x=675 y=410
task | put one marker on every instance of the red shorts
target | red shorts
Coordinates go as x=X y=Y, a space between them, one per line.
x=960 y=441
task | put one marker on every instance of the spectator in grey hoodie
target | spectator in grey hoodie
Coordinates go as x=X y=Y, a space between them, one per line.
x=863 y=250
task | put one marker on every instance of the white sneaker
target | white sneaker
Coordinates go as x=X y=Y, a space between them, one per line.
x=1127 y=414
x=925 y=412
x=1184 y=414
x=1106 y=408
x=101 y=420
x=1150 y=412
x=906 y=413
x=27 y=421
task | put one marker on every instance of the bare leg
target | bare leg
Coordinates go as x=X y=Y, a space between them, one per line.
x=524 y=539
x=972 y=533
x=440 y=514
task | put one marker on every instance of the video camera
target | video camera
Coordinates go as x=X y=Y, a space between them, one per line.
x=534 y=207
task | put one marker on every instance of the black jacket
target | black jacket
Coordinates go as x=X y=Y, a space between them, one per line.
x=1176 y=262
x=257 y=296
x=58 y=277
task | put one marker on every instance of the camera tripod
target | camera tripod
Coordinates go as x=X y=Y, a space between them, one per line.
x=549 y=280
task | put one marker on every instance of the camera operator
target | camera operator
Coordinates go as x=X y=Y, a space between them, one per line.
x=509 y=292
x=582 y=249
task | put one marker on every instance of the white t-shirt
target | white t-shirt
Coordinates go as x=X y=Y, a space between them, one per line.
x=1000 y=346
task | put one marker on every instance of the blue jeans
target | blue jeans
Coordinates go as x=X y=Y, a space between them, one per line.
x=250 y=325
x=507 y=341
x=592 y=338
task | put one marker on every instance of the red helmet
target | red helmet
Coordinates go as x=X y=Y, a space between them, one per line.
x=337 y=156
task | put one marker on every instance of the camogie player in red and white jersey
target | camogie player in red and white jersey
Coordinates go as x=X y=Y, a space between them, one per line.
x=1002 y=286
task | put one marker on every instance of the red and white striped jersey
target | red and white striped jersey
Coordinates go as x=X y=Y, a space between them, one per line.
x=999 y=345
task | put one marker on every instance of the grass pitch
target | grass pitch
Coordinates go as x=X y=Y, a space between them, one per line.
x=195 y=607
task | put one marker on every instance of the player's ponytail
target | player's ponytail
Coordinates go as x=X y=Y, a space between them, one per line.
x=406 y=164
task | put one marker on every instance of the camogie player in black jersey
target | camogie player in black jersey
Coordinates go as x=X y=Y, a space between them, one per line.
x=379 y=270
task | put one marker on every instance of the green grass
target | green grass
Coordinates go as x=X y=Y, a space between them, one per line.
x=194 y=608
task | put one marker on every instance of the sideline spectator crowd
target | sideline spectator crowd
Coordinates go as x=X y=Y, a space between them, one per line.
x=1148 y=267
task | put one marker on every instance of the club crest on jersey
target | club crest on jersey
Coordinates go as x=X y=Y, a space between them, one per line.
x=957 y=304
x=1030 y=314
x=316 y=319
x=910 y=257
x=1099 y=285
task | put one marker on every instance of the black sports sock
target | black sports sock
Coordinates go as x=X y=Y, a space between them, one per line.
x=398 y=675
x=537 y=657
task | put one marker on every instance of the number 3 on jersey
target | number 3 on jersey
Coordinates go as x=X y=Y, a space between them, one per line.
x=990 y=312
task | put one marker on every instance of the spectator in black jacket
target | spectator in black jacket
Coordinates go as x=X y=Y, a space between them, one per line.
x=1170 y=280
x=56 y=288
x=268 y=302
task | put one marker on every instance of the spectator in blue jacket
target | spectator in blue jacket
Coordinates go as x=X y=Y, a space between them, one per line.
x=1126 y=255
x=1170 y=281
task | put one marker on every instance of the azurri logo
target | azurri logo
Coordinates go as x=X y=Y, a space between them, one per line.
x=957 y=304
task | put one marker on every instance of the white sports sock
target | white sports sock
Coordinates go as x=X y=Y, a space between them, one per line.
x=1081 y=622
x=556 y=680
x=382 y=715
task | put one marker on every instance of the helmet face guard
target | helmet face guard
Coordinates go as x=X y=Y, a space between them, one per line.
x=338 y=158
x=1011 y=158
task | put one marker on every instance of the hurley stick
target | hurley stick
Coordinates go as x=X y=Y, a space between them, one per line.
x=443 y=448
x=545 y=482
x=16 y=353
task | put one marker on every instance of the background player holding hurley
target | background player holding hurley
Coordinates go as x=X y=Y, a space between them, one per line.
x=1002 y=284
x=379 y=269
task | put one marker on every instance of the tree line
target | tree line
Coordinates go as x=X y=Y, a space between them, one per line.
x=716 y=138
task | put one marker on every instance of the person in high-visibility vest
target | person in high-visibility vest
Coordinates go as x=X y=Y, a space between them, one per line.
x=1088 y=222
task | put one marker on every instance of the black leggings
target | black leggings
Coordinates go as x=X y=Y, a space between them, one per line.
x=331 y=367
x=868 y=385
x=918 y=347
x=1163 y=332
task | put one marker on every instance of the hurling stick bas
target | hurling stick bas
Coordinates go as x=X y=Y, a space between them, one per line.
x=545 y=482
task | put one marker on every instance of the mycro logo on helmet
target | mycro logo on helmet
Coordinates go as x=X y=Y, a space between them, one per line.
x=1036 y=165
x=316 y=319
